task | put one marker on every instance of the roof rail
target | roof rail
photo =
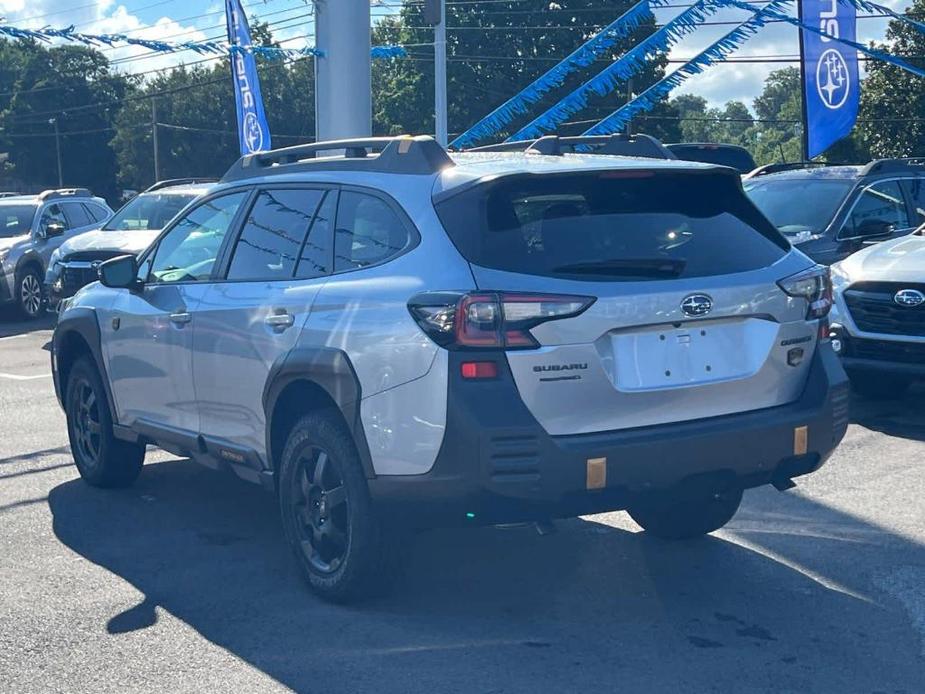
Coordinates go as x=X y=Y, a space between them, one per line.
x=65 y=193
x=398 y=155
x=779 y=166
x=620 y=144
x=170 y=182
x=514 y=146
x=892 y=165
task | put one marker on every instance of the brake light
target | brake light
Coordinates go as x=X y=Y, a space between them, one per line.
x=490 y=320
x=479 y=369
x=814 y=285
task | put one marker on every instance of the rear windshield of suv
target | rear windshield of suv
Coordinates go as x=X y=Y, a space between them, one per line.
x=612 y=225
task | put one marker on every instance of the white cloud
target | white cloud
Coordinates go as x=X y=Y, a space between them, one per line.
x=108 y=17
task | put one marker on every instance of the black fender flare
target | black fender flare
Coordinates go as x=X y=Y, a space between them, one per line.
x=82 y=321
x=331 y=370
x=30 y=257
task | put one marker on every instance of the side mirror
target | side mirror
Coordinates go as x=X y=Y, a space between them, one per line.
x=873 y=228
x=53 y=229
x=120 y=273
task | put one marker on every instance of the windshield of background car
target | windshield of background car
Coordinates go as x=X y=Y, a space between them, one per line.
x=798 y=204
x=612 y=226
x=15 y=220
x=148 y=211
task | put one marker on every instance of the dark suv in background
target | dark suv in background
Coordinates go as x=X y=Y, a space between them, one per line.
x=830 y=212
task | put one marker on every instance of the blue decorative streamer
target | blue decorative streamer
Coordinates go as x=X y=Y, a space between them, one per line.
x=584 y=55
x=714 y=53
x=872 y=52
x=620 y=70
x=46 y=34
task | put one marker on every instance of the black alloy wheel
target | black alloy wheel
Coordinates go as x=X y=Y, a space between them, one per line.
x=322 y=510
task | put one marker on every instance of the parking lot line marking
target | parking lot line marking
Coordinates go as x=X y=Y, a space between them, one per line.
x=17 y=377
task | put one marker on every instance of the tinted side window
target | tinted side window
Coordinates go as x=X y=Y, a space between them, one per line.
x=368 y=232
x=318 y=251
x=96 y=213
x=53 y=213
x=76 y=214
x=915 y=187
x=271 y=240
x=881 y=202
x=188 y=251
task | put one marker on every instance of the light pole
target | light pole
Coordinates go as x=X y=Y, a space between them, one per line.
x=440 y=76
x=54 y=122
x=342 y=73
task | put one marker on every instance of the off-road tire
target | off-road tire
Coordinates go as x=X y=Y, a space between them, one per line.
x=342 y=548
x=101 y=459
x=679 y=516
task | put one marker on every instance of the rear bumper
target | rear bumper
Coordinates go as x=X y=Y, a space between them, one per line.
x=497 y=464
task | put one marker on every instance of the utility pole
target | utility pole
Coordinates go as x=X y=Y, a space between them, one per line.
x=54 y=122
x=804 y=135
x=157 y=156
x=440 y=76
x=343 y=106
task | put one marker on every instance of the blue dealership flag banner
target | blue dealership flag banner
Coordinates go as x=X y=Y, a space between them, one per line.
x=831 y=88
x=253 y=131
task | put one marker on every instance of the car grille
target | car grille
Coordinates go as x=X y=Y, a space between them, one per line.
x=73 y=278
x=872 y=307
x=888 y=350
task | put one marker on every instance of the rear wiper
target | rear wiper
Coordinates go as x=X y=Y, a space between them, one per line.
x=627 y=267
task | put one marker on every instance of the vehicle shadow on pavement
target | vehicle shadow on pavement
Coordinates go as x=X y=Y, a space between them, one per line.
x=775 y=604
x=11 y=324
x=903 y=416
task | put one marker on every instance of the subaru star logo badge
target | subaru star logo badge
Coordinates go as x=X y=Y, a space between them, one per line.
x=697 y=305
x=832 y=80
x=909 y=298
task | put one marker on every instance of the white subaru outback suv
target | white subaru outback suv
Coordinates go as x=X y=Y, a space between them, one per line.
x=400 y=336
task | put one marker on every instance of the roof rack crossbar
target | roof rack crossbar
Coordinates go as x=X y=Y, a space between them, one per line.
x=897 y=164
x=398 y=155
x=621 y=144
x=55 y=193
x=169 y=182
x=777 y=167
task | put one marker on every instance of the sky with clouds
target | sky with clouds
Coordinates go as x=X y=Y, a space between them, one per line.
x=291 y=21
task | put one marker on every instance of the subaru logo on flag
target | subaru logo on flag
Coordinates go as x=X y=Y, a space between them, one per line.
x=253 y=131
x=831 y=87
x=832 y=79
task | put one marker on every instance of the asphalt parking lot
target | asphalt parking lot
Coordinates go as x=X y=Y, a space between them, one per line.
x=182 y=583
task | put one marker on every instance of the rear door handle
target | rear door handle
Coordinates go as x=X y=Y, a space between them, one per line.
x=280 y=321
x=181 y=317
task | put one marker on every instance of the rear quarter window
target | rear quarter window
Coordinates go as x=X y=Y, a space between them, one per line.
x=620 y=226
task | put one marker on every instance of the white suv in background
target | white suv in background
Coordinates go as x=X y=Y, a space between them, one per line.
x=400 y=336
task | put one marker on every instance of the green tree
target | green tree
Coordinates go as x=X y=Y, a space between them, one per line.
x=74 y=86
x=494 y=50
x=893 y=99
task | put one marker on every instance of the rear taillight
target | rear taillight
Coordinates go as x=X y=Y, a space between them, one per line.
x=490 y=320
x=814 y=285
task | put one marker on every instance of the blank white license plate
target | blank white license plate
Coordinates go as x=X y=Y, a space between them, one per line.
x=707 y=352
